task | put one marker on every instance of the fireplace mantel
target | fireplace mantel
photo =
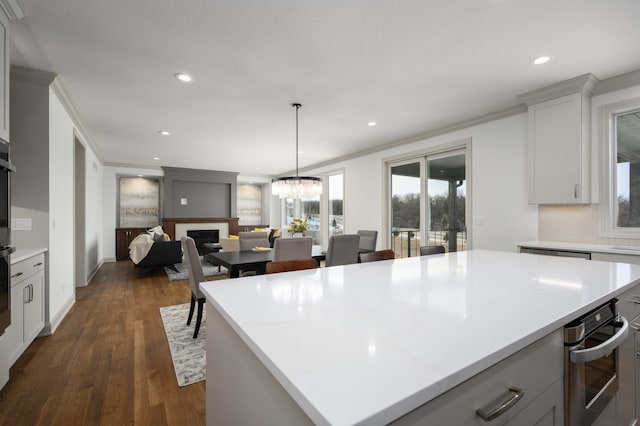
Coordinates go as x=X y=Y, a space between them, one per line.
x=169 y=224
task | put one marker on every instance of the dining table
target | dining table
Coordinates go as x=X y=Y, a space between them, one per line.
x=252 y=260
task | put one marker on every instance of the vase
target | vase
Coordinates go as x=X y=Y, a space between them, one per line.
x=297 y=235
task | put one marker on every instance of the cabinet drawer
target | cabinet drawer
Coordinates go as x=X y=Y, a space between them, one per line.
x=534 y=370
x=629 y=305
x=26 y=268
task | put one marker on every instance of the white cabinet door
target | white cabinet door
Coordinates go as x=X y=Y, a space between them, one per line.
x=4 y=76
x=558 y=151
x=15 y=334
x=33 y=306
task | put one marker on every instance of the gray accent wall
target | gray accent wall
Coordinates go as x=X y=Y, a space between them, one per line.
x=30 y=154
x=208 y=193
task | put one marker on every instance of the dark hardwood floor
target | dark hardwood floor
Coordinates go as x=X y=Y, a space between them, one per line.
x=108 y=362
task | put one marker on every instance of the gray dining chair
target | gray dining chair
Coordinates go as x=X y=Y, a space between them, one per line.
x=292 y=248
x=249 y=240
x=428 y=250
x=342 y=250
x=368 y=240
x=196 y=276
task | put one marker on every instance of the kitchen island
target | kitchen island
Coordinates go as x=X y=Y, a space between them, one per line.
x=369 y=343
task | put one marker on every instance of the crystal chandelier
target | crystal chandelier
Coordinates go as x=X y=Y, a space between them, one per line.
x=301 y=187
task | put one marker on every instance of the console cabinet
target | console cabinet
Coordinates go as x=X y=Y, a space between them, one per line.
x=124 y=236
x=27 y=306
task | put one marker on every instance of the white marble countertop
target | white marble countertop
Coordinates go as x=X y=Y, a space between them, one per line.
x=21 y=254
x=582 y=247
x=370 y=342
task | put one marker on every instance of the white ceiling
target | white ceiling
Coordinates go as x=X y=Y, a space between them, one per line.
x=413 y=66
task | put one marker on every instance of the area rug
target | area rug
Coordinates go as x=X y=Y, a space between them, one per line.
x=182 y=274
x=188 y=354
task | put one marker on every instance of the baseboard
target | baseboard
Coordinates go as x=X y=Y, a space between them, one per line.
x=109 y=259
x=51 y=325
x=94 y=272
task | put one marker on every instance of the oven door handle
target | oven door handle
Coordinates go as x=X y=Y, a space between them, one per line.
x=603 y=349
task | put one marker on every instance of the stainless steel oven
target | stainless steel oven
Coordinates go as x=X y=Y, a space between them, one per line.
x=591 y=362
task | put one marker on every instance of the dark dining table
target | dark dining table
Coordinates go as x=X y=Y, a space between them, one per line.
x=249 y=260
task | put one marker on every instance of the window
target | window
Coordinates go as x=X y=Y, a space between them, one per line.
x=336 y=204
x=621 y=202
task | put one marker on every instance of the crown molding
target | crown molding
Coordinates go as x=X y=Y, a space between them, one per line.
x=68 y=105
x=619 y=82
x=585 y=83
x=485 y=118
x=14 y=9
x=32 y=75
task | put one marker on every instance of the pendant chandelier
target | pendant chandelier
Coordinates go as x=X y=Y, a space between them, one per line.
x=300 y=187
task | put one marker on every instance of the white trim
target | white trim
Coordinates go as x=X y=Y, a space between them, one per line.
x=51 y=326
x=606 y=116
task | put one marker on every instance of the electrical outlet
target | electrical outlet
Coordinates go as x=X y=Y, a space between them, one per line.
x=183 y=201
x=21 y=224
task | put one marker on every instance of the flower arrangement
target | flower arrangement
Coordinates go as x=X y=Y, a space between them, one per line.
x=298 y=225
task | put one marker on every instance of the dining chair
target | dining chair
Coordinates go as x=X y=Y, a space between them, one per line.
x=428 y=250
x=290 y=265
x=230 y=244
x=249 y=240
x=342 y=250
x=292 y=248
x=374 y=256
x=196 y=276
x=368 y=240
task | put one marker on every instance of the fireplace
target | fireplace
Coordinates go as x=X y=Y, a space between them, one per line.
x=202 y=236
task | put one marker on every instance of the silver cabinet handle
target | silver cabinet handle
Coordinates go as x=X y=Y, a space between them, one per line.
x=16 y=275
x=603 y=349
x=37 y=264
x=516 y=395
x=30 y=292
x=575 y=191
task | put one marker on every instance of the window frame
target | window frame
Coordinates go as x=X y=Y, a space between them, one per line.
x=608 y=137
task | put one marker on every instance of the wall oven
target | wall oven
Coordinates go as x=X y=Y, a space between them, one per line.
x=591 y=362
x=5 y=236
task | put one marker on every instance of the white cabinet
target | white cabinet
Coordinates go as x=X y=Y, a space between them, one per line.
x=559 y=148
x=559 y=151
x=4 y=76
x=27 y=306
x=536 y=371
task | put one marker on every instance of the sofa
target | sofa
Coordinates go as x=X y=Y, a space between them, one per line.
x=152 y=250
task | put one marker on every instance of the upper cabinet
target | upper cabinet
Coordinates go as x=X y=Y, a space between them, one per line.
x=4 y=76
x=9 y=10
x=559 y=142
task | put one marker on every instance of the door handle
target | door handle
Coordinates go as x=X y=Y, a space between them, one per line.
x=16 y=275
x=516 y=395
x=603 y=349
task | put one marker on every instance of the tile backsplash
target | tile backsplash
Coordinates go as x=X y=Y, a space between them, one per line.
x=575 y=224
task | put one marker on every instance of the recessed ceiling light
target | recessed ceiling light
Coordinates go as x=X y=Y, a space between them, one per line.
x=156 y=158
x=371 y=123
x=140 y=175
x=541 y=60
x=183 y=77
x=164 y=132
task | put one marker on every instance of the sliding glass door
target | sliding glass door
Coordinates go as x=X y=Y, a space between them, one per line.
x=406 y=189
x=446 y=195
x=428 y=202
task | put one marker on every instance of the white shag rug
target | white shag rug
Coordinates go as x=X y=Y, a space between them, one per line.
x=188 y=354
